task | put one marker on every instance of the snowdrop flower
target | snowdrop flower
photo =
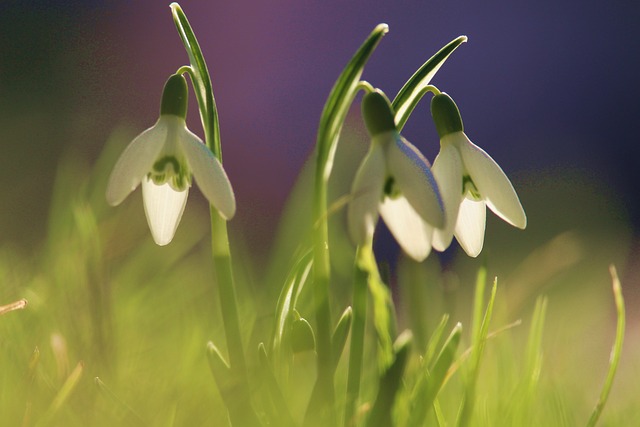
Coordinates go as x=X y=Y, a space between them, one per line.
x=394 y=181
x=163 y=158
x=469 y=180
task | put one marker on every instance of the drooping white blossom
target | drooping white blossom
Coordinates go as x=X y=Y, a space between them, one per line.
x=164 y=158
x=469 y=180
x=394 y=180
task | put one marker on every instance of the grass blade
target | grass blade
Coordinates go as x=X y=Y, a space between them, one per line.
x=615 y=352
x=429 y=385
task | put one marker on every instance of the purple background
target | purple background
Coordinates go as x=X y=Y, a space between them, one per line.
x=541 y=85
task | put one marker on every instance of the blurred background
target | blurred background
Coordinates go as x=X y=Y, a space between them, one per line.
x=549 y=89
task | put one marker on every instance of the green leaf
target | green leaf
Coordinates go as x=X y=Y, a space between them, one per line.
x=302 y=336
x=233 y=392
x=339 y=101
x=434 y=340
x=294 y=283
x=340 y=335
x=390 y=383
x=63 y=395
x=415 y=88
x=477 y=347
x=615 y=352
x=201 y=81
x=428 y=386
x=282 y=415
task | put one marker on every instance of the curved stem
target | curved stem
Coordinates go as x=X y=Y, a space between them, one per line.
x=219 y=236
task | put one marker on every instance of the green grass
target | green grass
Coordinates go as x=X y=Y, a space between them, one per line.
x=116 y=329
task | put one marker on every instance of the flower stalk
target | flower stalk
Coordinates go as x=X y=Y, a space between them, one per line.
x=321 y=409
x=222 y=261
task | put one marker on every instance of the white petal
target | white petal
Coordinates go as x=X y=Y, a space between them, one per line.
x=411 y=232
x=411 y=172
x=210 y=176
x=164 y=207
x=135 y=162
x=447 y=170
x=492 y=183
x=470 y=226
x=366 y=192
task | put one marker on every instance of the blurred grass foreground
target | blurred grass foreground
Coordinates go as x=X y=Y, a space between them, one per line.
x=101 y=327
x=115 y=328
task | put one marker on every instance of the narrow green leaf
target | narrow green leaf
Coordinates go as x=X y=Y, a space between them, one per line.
x=63 y=395
x=533 y=363
x=414 y=89
x=477 y=350
x=294 y=283
x=219 y=366
x=282 y=415
x=615 y=352
x=434 y=340
x=390 y=382
x=478 y=304
x=201 y=81
x=232 y=390
x=340 y=335
x=302 y=336
x=339 y=101
x=129 y=416
x=428 y=386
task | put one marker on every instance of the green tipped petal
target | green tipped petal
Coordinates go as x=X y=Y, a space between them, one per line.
x=135 y=162
x=164 y=207
x=492 y=183
x=446 y=115
x=210 y=176
x=175 y=97
x=470 y=226
x=447 y=170
x=411 y=171
x=366 y=193
x=377 y=113
x=411 y=232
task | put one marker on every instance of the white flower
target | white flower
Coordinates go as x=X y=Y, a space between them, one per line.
x=469 y=180
x=393 y=180
x=163 y=158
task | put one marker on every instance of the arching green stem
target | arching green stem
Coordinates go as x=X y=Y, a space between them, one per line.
x=321 y=408
x=219 y=236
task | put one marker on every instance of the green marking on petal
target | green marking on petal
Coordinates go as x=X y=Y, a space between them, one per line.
x=169 y=169
x=391 y=189
x=469 y=187
x=171 y=161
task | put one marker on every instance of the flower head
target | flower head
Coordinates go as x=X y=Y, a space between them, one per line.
x=163 y=158
x=469 y=180
x=394 y=181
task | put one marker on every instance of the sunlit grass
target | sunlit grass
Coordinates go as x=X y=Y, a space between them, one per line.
x=115 y=329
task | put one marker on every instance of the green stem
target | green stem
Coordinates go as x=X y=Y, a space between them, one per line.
x=203 y=89
x=359 y=306
x=321 y=410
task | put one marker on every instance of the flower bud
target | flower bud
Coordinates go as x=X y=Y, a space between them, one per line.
x=175 y=97
x=446 y=115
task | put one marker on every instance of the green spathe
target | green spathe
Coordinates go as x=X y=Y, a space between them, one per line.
x=175 y=96
x=446 y=115
x=377 y=113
